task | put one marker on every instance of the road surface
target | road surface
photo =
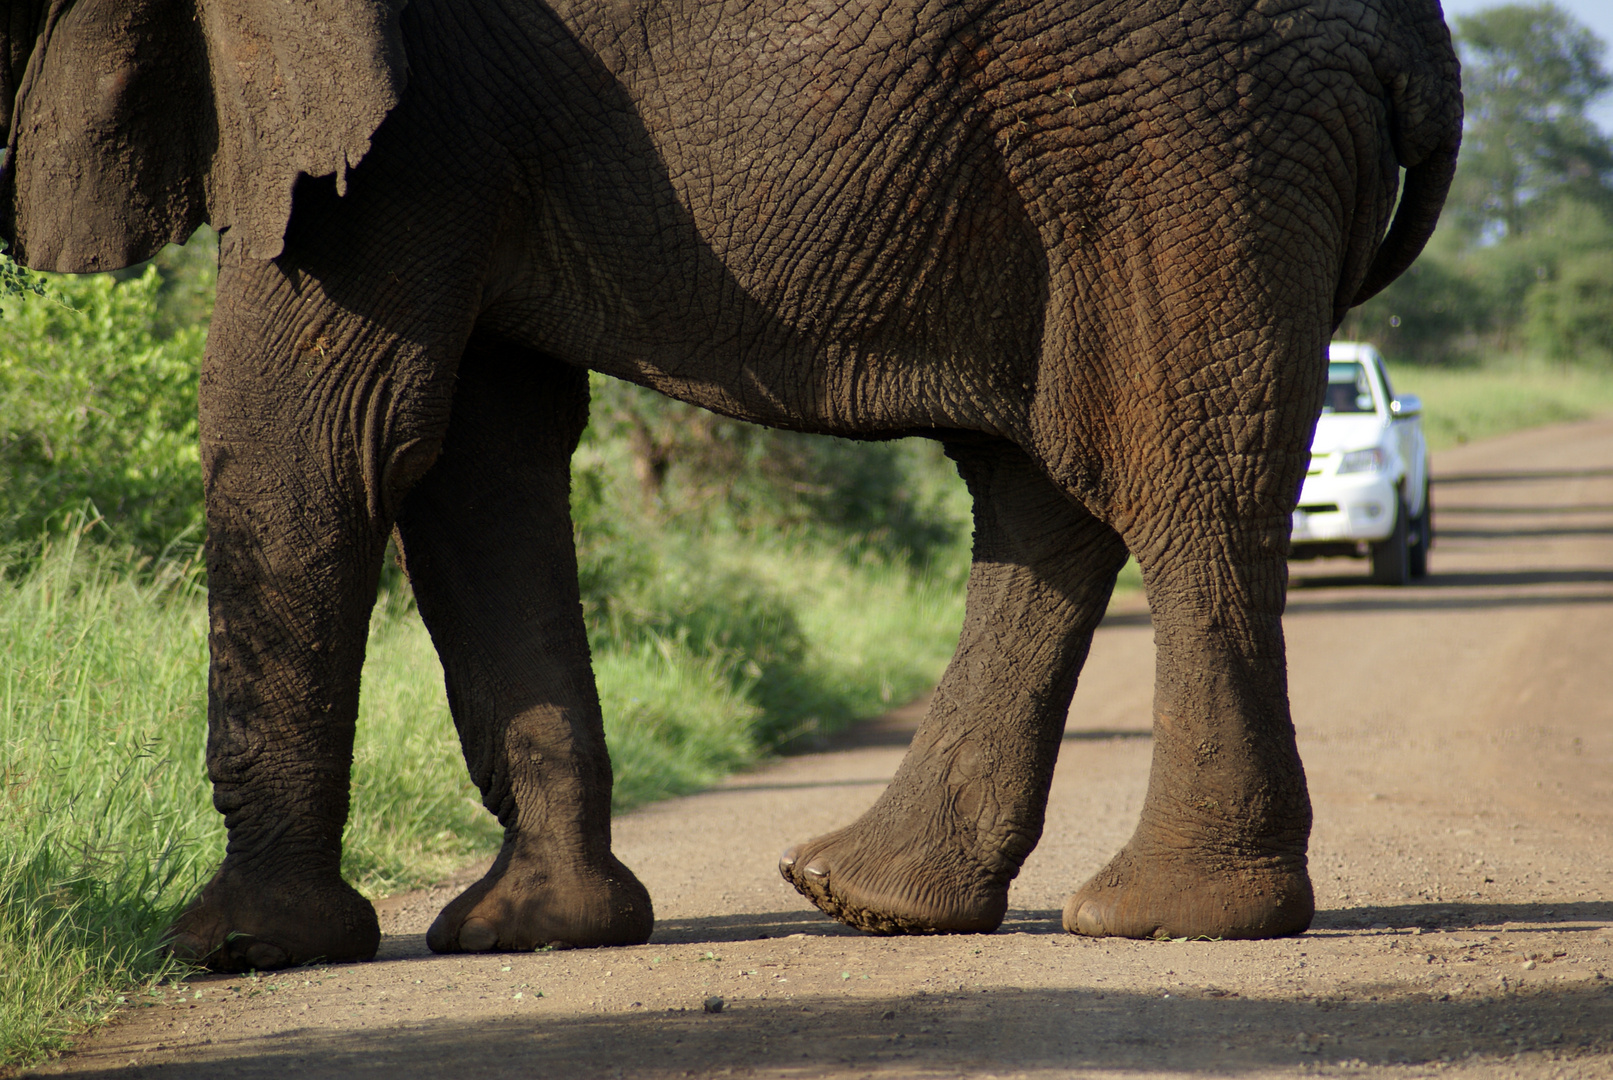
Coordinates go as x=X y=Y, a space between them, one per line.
x=1458 y=736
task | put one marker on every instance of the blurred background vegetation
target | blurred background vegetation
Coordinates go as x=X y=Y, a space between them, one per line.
x=744 y=589
x=1520 y=271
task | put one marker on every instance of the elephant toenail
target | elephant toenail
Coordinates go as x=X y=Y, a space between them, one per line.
x=1088 y=920
x=786 y=861
x=477 y=935
x=818 y=868
x=187 y=947
x=266 y=957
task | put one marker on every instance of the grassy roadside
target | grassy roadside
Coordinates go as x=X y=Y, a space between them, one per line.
x=1461 y=405
x=106 y=824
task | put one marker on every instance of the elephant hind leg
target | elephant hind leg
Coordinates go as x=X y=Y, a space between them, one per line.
x=1220 y=850
x=936 y=853
x=486 y=539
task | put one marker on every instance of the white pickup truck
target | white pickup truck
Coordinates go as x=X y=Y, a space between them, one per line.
x=1366 y=493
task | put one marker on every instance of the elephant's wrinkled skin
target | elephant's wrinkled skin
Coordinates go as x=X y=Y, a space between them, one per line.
x=1096 y=248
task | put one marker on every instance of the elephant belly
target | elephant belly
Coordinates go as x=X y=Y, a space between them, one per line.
x=764 y=226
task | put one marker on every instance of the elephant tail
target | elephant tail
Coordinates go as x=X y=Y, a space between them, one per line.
x=1422 y=75
x=1415 y=217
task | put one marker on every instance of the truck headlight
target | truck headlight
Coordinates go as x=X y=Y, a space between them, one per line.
x=1374 y=460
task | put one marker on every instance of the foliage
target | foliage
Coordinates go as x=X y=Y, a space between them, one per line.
x=1570 y=315
x=1423 y=316
x=1515 y=269
x=1529 y=72
x=100 y=406
x=17 y=280
x=696 y=469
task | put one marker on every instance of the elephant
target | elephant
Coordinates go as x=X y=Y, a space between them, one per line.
x=1096 y=248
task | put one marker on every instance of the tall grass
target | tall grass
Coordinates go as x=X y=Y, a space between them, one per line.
x=106 y=822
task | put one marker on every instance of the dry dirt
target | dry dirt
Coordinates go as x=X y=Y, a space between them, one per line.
x=1458 y=740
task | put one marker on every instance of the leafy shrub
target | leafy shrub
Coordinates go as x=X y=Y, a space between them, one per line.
x=900 y=499
x=100 y=407
x=1570 y=318
x=1422 y=316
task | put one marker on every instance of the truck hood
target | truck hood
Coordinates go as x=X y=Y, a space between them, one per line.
x=1347 y=431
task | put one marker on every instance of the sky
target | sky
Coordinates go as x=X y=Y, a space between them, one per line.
x=1596 y=14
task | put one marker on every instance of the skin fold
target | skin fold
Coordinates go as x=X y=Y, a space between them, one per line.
x=1095 y=248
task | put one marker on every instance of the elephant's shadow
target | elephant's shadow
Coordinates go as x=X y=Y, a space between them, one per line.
x=1369 y=918
x=1366 y=919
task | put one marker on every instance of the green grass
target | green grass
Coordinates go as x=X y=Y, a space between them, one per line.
x=106 y=823
x=1461 y=405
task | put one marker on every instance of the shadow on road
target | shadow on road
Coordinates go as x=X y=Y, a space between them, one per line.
x=805 y=785
x=1191 y=1030
x=1458 y=916
x=1515 y=476
x=1541 y=533
x=1427 y=916
x=1425 y=602
x=1540 y=509
x=763 y=926
x=1437 y=591
x=1125 y=618
x=1431 y=593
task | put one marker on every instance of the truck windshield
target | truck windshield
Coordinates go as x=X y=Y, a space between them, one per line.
x=1348 y=388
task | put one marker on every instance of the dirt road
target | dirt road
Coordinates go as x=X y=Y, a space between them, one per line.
x=1459 y=741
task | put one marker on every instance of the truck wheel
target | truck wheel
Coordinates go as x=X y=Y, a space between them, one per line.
x=1422 y=537
x=1391 y=556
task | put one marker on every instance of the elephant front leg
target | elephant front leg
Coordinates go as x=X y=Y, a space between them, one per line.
x=936 y=853
x=1220 y=848
x=486 y=538
x=311 y=425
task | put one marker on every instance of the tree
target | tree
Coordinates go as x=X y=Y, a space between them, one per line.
x=1529 y=71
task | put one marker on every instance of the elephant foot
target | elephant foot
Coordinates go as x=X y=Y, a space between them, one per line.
x=239 y=923
x=1177 y=896
x=524 y=903
x=882 y=883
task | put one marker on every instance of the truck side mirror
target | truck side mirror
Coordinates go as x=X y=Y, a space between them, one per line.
x=1406 y=406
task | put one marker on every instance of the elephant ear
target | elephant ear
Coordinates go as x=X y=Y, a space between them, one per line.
x=299 y=87
x=137 y=120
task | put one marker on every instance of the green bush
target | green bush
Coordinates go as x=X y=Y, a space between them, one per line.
x=713 y=582
x=695 y=469
x=1543 y=293
x=1423 y=316
x=1570 y=317
x=99 y=407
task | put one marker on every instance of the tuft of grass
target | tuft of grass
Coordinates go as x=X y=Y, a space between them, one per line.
x=674 y=721
x=106 y=824
x=1464 y=404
